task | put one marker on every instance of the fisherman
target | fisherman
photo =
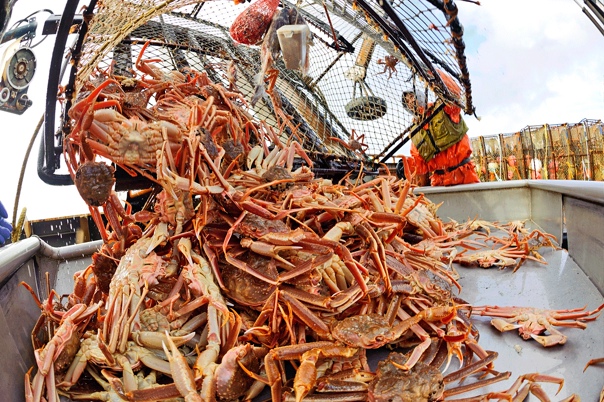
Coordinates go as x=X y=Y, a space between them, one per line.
x=441 y=149
x=513 y=173
x=535 y=168
x=5 y=227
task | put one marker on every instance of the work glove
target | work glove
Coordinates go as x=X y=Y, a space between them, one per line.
x=5 y=227
x=400 y=170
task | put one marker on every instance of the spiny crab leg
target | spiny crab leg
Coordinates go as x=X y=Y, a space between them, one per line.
x=82 y=111
x=305 y=267
x=47 y=307
x=536 y=377
x=376 y=249
x=567 y=314
x=471 y=368
x=154 y=340
x=305 y=377
x=404 y=191
x=158 y=392
x=265 y=185
x=594 y=361
x=181 y=372
x=305 y=314
x=479 y=384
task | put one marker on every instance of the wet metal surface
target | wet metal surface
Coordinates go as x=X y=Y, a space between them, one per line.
x=585 y=229
x=560 y=284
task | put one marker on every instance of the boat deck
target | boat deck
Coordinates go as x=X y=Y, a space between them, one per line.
x=561 y=284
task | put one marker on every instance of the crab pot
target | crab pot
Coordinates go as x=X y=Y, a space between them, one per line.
x=572 y=278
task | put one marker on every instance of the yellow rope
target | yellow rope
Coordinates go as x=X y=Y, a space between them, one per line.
x=17 y=229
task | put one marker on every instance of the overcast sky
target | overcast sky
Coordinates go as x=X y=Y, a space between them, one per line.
x=530 y=62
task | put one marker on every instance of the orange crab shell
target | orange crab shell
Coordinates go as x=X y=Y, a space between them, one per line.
x=250 y=26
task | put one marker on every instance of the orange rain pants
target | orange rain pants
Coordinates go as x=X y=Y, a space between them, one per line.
x=453 y=165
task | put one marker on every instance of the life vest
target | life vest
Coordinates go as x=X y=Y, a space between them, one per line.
x=439 y=134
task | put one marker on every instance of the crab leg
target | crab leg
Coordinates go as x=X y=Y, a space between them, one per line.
x=84 y=113
x=479 y=384
x=308 y=353
x=181 y=372
x=534 y=377
x=471 y=368
x=594 y=361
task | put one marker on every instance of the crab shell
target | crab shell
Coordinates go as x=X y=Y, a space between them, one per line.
x=231 y=381
x=94 y=181
x=423 y=383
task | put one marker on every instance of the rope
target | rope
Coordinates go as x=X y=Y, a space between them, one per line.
x=18 y=229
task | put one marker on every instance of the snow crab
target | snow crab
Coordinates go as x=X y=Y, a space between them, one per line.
x=509 y=255
x=389 y=63
x=532 y=323
x=129 y=143
x=356 y=142
x=94 y=181
x=352 y=334
x=425 y=383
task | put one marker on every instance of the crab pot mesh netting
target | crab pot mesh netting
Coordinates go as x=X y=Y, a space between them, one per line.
x=541 y=151
x=595 y=144
x=493 y=153
x=479 y=158
x=363 y=55
x=564 y=164
x=513 y=156
x=558 y=151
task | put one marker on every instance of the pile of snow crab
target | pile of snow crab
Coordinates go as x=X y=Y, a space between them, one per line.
x=246 y=275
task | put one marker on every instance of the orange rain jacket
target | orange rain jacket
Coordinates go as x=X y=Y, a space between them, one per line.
x=451 y=166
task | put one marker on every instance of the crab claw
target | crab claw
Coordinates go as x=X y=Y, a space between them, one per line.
x=268 y=250
x=155 y=340
x=502 y=325
x=550 y=340
x=181 y=372
x=254 y=157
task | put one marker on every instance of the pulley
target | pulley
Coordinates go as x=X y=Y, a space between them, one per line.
x=20 y=69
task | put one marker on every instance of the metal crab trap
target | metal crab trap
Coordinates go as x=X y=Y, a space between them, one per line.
x=514 y=159
x=344 y=107
x=595 y=144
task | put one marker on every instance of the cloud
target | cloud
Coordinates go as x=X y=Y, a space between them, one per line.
x=531 y=63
